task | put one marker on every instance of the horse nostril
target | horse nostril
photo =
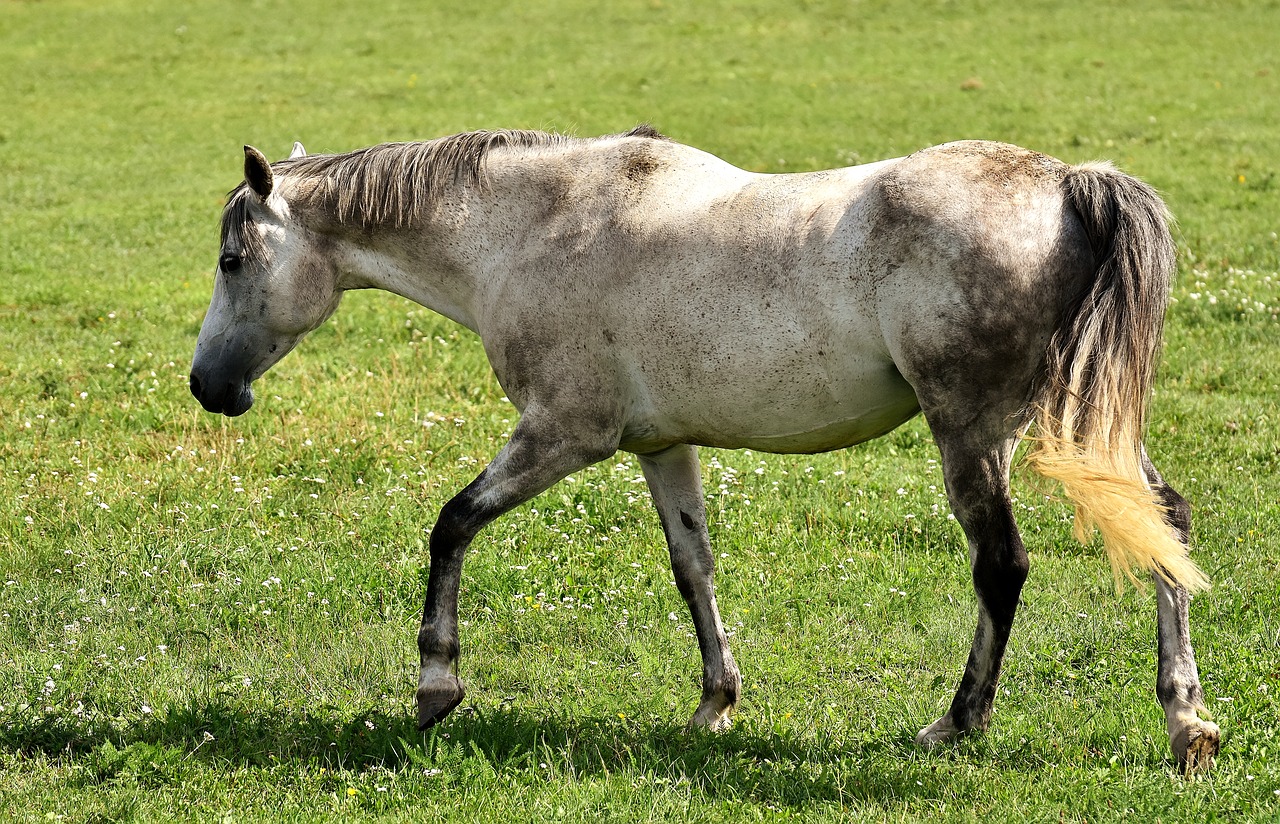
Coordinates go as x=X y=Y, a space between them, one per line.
x=195 y=386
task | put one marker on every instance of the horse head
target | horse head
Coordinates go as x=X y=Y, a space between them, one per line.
x=272 y=286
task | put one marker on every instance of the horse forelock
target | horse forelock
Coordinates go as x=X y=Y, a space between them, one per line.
x=235 y=223
x=399 y=182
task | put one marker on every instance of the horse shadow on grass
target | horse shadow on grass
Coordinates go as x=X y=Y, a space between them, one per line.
x=765 y=766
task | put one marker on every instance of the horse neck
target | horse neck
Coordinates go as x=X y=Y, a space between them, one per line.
x=454 y=254
x=424 y=260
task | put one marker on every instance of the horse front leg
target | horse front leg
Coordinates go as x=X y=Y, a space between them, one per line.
x=542 y=450
x=1194 y=741
x=439 y=687
x=676 y=485
x=978 y=487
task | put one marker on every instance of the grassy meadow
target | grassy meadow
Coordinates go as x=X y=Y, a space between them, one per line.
x=213 y=619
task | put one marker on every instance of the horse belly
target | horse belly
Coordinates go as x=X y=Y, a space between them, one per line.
x=800 y=405
x=827 y=434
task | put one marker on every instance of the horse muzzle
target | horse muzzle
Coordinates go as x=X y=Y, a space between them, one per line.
x=219 y=395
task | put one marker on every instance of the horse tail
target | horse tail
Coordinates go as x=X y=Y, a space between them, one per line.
x=1091 y=408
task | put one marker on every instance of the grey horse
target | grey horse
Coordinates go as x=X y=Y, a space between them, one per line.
x=636 y=294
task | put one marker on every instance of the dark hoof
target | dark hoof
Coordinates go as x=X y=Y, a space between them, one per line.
x=1197 y=746
x=437 y=699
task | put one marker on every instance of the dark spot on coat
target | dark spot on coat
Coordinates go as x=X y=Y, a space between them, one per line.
x=1004 y=165
x=523 y=360
x=559 y=189
x=609 y=336
x=639 y=165
x=686 y=519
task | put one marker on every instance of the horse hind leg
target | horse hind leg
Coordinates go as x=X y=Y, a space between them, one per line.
x=676 y=486
x=1194 y=741
x=977 y=481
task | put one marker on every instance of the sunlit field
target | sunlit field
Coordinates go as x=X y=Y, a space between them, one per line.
x=205 y=618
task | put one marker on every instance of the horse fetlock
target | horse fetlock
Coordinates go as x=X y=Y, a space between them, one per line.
x=438 y=695
x=728 y=686
x=719 y=699
x=436 y=643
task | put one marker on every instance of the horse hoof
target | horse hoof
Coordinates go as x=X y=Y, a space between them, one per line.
x=1196 y=746
x=711 y=721
x=438 y=698
x=939 y=732
x=714 y=714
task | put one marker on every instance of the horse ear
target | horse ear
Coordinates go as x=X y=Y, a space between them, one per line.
x=298 y=151
x=257 y=172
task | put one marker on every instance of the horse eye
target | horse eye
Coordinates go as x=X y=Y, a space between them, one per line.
x=229 y=263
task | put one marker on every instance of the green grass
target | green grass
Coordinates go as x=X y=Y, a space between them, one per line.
x=204 y=618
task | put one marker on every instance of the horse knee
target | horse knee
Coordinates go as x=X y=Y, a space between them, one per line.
x=458 y=522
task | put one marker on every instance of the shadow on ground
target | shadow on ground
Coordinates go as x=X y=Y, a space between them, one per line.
x=743 y=764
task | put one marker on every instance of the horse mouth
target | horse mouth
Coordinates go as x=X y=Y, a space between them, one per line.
x=231 y=399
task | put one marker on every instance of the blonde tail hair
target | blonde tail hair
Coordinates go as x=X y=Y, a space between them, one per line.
x=1091 y=409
